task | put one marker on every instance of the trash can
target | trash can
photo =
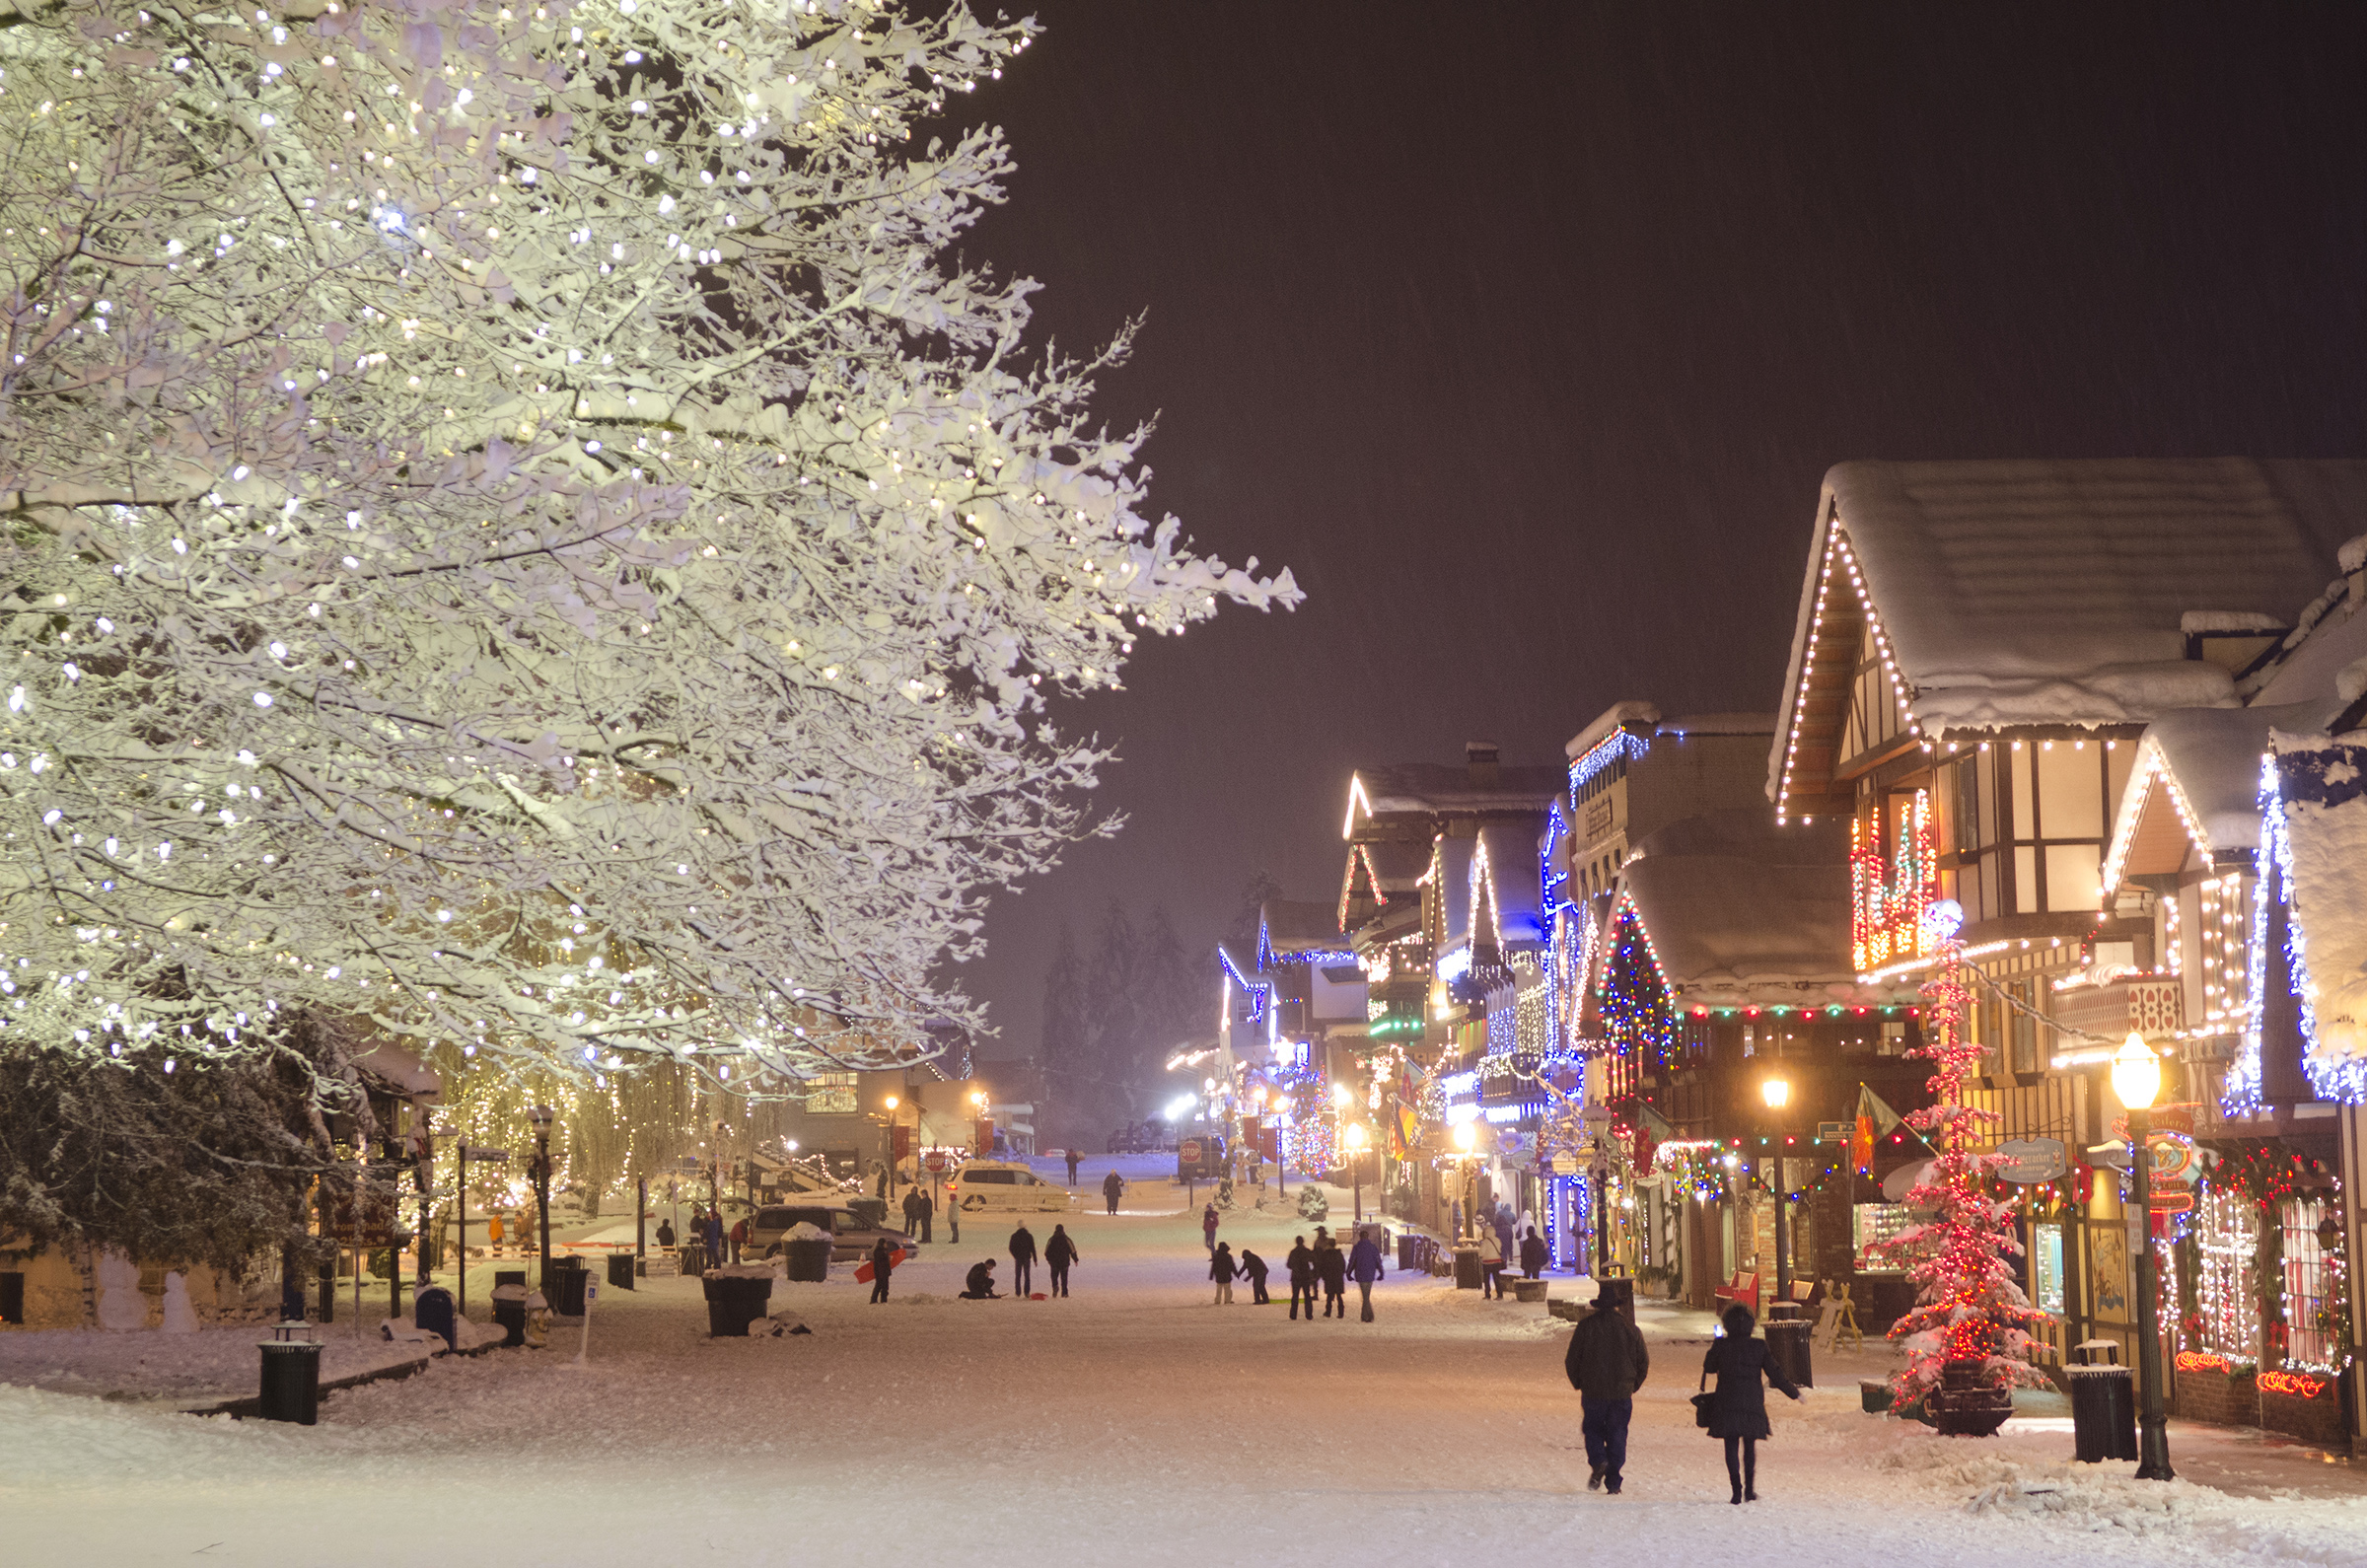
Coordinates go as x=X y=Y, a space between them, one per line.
x=620 y=1270
x=291 y=1389
x=2104 y=1413
x=1406 y=1254
x=563 y=1286
x=808 y=1259
x=1788 y=1348
x=871 y=1211
x=509 y=1311
x=694 y=1261
x=509 y=1276
x=432 y=1311
x=1467 y=1274
x=736 y=1296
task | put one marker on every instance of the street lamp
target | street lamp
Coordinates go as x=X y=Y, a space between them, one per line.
x=1466 y=1139
x=1353 y=1135
x=891 y=1104
x=541 y=1117
x=2137 y=1079
x=1777 y=1093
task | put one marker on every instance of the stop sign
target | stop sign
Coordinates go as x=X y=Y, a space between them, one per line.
x=1188 y=1151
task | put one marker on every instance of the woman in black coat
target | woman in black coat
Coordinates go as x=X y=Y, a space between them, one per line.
x=1738 y=1410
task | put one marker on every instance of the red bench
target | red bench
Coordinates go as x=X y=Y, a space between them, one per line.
x=1743 y=1288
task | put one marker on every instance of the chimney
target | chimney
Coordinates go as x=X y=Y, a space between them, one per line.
x=1479 y=760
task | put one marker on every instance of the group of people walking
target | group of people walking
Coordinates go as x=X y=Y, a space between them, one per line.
x=1606 y=1363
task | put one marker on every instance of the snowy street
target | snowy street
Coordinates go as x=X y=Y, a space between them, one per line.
x=1132 y=1422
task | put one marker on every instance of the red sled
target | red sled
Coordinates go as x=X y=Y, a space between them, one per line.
x=896 y=1260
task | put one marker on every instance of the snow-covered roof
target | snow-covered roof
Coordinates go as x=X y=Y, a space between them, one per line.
x=1511 y=855
x=2323 y=783
x=1609 y=718
x=398 y=1070
x=2055 y=591
x=1438 y=787
x=1717 y=724
x=1295 y=925
x=1738 y=909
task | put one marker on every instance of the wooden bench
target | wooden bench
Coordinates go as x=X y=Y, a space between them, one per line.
x=1743 y=1288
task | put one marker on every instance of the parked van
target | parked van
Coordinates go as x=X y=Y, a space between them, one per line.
x=987 y=1186
x=851 y=1234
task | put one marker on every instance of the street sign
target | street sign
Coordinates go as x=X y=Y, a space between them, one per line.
x=485 y=1155
x=1188 y=1151
x=935 y=1160
x=2034 y=1159
x=1832 y=1132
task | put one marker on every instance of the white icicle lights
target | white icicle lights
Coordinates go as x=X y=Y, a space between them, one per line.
x=523 y=539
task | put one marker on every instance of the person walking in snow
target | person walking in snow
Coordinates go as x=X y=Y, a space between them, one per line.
x=1738 y=1410
x=1606 y=1363
x=1112 y=1185
x=714 y=1235
x=911 y=1211
x=1491 y=1266
x=1220 y=1269
x=1208 y=1228
x=926 y=1209
x=1072 y=1168
x=1364 y=1262
x=978 y=1284
x=1504 y=1231
x=1532 y=1254
x=1331 y=1267
x=1253 y=1270
x=1023 y=1261
x=883 y=1260
x=1301 y=1263
x=1058 y=1253
x=666 y=1235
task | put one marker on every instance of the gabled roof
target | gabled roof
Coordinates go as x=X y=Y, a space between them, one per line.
x=1510 y=888
x=2055 y=593
x=1435 y=787
x=1288 y=926
x=1738 y=909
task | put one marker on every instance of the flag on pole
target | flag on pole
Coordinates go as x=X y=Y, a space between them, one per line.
x=1874 y=1118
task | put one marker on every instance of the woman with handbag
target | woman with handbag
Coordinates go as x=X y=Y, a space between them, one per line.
x=1738 y=1410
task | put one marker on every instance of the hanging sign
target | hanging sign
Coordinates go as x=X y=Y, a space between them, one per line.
x=2033 y=1160
x=1832 y=1132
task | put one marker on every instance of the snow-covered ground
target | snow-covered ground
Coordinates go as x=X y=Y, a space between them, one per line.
x=1132 y=1423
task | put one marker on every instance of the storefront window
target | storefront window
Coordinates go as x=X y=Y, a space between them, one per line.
x=831 y=1095
x=1874 y=1227
x=2046 y=1268
x=2227 y=1238
x=2313 y=1309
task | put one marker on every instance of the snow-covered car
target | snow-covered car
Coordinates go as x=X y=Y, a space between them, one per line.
x=987 y=1186
x=851 y=1234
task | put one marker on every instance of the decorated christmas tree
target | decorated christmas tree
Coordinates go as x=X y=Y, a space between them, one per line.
x=1969 y=1311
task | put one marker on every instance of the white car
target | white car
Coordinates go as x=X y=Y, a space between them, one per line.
x=987 y=1186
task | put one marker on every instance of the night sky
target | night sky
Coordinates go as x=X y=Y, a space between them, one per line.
x=1523 y=334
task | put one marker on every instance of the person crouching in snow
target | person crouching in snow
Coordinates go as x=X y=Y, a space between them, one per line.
x=1253 y=1270
x=1220 y=1269
x=978 y=1284
x=883 y=1259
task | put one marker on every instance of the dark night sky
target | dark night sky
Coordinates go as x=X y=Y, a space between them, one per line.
x=1523 y=333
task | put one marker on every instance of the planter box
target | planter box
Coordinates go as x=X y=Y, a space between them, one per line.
x=2228 y=1398
x=2313 y=1418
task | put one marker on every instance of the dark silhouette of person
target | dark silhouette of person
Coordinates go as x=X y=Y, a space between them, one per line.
x=883 y=1260
x=1058 y=1252
x=1301 y=1263
x=1022 y=1259
x=1253 y=1270
x=978 y=1284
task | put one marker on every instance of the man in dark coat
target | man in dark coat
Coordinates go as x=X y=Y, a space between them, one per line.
x=1072 y=1168
x=1606 y=1363
x=1331 y=1267
x=1058 y=1253
x=883 y=1260
x=1022 y=1259
x=911 y=1211
x=1112 y=1185
x=1364 y=1261
x=1301 y=1263
x=1532 y=1254
x=1253 y=1270
x=1737 y=1411
x=925 y=1207
x=978 y=1284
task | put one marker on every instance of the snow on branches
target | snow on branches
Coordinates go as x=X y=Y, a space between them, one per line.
x=522 y=540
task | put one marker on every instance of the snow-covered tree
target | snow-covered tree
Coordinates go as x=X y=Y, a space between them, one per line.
x=521 y=536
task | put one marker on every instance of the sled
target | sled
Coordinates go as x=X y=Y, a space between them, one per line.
x=896 y=1260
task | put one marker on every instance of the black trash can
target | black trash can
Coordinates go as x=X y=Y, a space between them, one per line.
x=509 y=1312
x=291 y=1389
x=1467 y=1274
x=563 y=1286
x=510 y=1276
x=433 y=1312
x=733 y=1301
x=2104 y=1413
x=620 y=1270
x=1788 y=1348
x=808 y=1259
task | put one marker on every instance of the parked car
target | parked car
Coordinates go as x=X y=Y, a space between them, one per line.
x=851 y=1234
x=986 y=1185
x=1140 y=1137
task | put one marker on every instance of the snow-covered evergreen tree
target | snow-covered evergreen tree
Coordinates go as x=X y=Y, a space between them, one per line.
x=522 y=537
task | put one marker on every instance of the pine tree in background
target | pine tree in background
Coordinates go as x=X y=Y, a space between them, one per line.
x=1970 y=1311
x=525 y=539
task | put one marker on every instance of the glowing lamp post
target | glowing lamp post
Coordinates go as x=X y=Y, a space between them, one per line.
x=1467 y=1140
x=891 y=1102
x=1353 y=1136
x=2137 y=1079
x=1777 y=1093
x=541 y=1117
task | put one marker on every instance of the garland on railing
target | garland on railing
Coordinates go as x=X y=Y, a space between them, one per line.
x=2267 y=1174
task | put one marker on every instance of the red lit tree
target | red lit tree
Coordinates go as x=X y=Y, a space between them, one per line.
x=1969 y=1307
